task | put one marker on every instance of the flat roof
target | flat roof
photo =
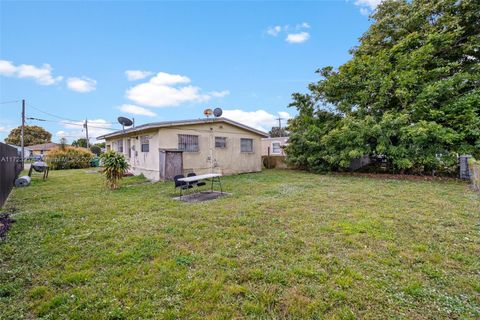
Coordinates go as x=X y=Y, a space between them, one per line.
x=177 y=123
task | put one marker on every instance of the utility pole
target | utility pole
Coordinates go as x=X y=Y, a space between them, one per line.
x=22 y=141
x=279 y=122
x=86 y=131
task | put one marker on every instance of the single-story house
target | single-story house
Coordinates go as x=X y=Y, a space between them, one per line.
x=43 y=148
x=161 y=150
x=273 y=152
x=26 y=150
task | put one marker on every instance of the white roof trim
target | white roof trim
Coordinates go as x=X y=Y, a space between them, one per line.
x=155 y=125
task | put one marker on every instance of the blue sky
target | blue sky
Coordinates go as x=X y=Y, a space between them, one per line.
x=157 y=61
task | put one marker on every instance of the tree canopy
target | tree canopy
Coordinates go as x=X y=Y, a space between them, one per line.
x=278 y=132
x=81 y=142
x=32 y=135
x=410 y=92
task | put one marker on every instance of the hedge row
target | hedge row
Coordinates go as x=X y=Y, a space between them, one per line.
x=69 y=158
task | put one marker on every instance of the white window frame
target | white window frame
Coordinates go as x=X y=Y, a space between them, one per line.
x=279 y=147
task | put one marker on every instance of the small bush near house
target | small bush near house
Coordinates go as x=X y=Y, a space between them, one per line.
x=96 y=149
x=69 y=158
x=115 y=166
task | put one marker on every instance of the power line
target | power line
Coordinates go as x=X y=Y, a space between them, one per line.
x=61 y=117
x=12 y=101
x=51 y=114
x=73 y=124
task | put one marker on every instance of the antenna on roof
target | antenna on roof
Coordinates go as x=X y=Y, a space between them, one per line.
x=125 y=122
x=207 y=112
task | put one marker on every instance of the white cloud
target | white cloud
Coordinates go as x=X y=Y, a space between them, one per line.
x=82 y=84
x=62 y=134
x=297 y=37
x=303 y=25
x=137 y=74
x=7 y=68
x=364 y=11
x=260 y=119
x=219 y=94
x=367 y=6
x=4 y=129
x=166 y=90
x=372 y=4
x=42 y=75
x=274 y=31
x=133 y=109
x=96 y=127
x=167 y=79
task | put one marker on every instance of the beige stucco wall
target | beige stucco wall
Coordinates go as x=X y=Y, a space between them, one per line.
x=226 y=161
x=267 y=142
x=146 y=163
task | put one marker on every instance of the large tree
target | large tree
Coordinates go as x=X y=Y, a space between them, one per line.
x=278 y=132
x=410 y=93
x=32 y=135
x=81 y=142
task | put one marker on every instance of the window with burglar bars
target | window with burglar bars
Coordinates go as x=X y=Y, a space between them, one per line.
x=246 y=145
x=120 y=146
x=220 y=142
x=188 y=143
x=145 y=143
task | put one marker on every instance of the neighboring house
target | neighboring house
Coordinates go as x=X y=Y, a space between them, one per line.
x=26 y=150
x=161 y=150
x=41 y=149
x=273 y=153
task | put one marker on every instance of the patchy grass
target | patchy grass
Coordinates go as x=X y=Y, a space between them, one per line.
x=285 y=245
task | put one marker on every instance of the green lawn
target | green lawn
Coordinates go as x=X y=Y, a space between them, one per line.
x=286 y=244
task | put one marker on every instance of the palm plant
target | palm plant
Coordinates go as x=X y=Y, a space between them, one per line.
x=115 y=166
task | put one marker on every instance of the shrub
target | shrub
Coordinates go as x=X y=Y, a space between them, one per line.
x=115 y=166
x=96 y=149
x=68 y=158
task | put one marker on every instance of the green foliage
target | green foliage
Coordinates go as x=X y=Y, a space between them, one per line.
x=63 y=143
x=278 y=132
x=32 y=135
x=115 y=166
x=96 y=149
x=68 y=158
x=409 y=94
x=82 y=142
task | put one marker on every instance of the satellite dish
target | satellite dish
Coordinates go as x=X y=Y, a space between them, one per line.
x=125 y=122
x=217 y=112
x=207 y=112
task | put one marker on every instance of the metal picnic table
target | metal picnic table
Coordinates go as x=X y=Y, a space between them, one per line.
x=213 y=177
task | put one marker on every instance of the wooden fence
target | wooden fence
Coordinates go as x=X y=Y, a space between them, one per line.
x=10 y=167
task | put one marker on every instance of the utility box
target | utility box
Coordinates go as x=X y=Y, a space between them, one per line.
x=171 y=163
x=464 y=170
